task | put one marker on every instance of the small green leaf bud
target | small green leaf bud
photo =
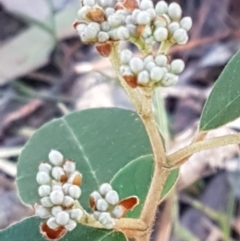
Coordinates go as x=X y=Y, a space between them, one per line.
x=105 y=188
x=143 y=77
x=102 y=205
x=177 y=66
x=45 y=167
x=112 y=197
x=156 y=74
x=186 y=23
x=46 y=202
x=42 y=212
x=160 y=34
x=44 y=190
x=136 y=64
x=55 y=157
x=56 y=209
x=43 y=178
x=56 y=197
x=175 y=11
x=161 y=7
x=51 y=223
x=74 y=191
x=62 y=218
x=70 y=225
x=76 y=214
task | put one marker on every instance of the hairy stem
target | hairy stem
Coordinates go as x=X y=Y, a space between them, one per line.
x=130 y=223
x=184 y=153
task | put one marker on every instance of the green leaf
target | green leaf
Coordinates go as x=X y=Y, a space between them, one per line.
x=223 y=104
x=100 y=141
x=28 y=230
x=135 y=178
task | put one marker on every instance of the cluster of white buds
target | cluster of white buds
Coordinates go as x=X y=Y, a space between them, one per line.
x=59 y=191
x=105 y=204
x=105 y=21
x=150 y=71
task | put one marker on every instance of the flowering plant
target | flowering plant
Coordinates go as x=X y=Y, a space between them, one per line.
x=100 y=174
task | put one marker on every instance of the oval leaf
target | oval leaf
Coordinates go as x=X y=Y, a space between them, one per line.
x=135 y=178
x=100 y=141
x=223 y=104
x=28 y=230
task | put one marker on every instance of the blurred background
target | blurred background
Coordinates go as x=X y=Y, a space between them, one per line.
x=45 y=71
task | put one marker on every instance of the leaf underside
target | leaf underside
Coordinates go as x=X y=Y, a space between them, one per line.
x=223 y=104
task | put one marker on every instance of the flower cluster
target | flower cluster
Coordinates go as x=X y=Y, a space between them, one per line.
x=104 y=202
x=150 y=71
x=59 y=190
x=103 y=21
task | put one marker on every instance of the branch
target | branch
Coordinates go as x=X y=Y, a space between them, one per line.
x=174 y=159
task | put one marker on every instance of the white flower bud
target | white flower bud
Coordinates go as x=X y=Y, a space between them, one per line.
x=146 y=4
x=56 y=209
x=161 y=60
x=57 y=187
x=102 y=205
x=109 y=11
x=125 y=56
x=156 y=74
x=160 y=34
x=123 y=33
x=175 y=11
x=129 y=20
x=115 y=20
x=74 y=191
x=169 y=80
x=177 y=66
x=117 y=212
x=136 y=65
x=46 y=202
x=42 y=212
x=180 y=36
x=44 y=190
x=186 y=23
x=69 y=167
x=90 y=3
x=91 y=32
x=71 y=225
x=68 y=201
x=51 y=223
x=95 y=195
x=105 y=3
x=106 y=220
x=45 y=167
x=150 y=40
x=160 y=23
x=105 y=188
x=62 y=218
x=112 y=196
x=55 y=157
x=105 y=27
x=80 y=27
x=143 y=18
x=161 y=7
x=173 y=27
x=167 y=18
x=76 y=214
x=148 y=59
x=57 y=173
x=103 y=37
x=82 y=12
x=113 y=34
x=151 y=12
x=132 y=29
x=66 y=187
x=147 y=32
x=125 y=70
x=56 y=197
x=135 y=14
x=43 y=178
x=96 y=214
x=94 y=25
x=143 y=77
x=149 y=66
